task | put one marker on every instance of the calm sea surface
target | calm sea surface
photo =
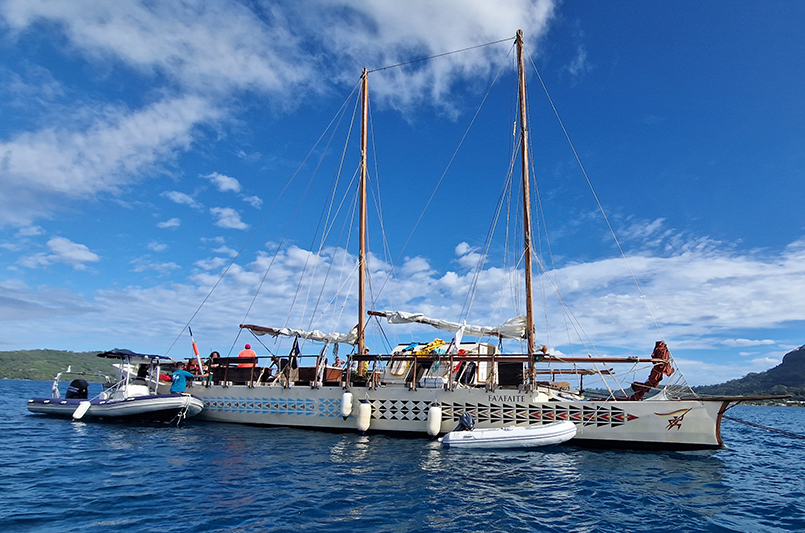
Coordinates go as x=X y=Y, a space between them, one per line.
x=63 y=476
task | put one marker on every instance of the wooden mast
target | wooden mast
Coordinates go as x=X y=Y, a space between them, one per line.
x=532 y=348
x=362 y=214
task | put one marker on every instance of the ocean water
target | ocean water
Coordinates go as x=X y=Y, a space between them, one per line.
x=63 y=476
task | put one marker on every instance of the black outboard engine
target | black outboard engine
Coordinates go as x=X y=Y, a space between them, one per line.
x=465 y=423
x=79 y=388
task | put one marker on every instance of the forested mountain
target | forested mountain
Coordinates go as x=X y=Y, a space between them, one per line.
x=45 y=364
x=786 y=378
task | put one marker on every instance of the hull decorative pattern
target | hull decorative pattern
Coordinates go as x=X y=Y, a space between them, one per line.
x=489 y=413
x=400 y=410
x=274 y=406
x=544 y=413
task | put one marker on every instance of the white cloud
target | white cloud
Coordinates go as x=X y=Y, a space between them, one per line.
x=254 y=201
x=11 y=247
x=19 y=302
x=463 y=248
x=211 y=264
x=696 y=311
x=157 y=246
x=228 y=47
x=37 y=260
x=65 y=162
x=767 y=362
x=70 y=252
x=422 y=28
x=181 y=198
x=223 y=182
x=228 y=218
x=199 y=57
x=741 y=343
x=225 y=250
x=467 y=256
x=580 y=65
x=215 y=47
x=143 y=264
x=170 y=223
x=62 y=251
x=30 y=231
x=35 y=86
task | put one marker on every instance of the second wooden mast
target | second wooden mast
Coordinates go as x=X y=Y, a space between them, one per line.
x=362 y=214
x=527 y=249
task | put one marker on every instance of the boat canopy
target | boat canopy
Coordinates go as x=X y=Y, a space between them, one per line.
x=514 y=328
x=119 y=353
x=315 y=335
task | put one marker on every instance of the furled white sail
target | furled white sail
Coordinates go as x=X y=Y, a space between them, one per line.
x=514 y=328
x=315 y=335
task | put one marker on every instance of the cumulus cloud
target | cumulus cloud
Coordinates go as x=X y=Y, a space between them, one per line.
x=223 y=182
x=157 y=246
x=254 y=201
x=62 y=250
x=468 y=257
x=170 y=223
x=70 y=252
x=225 y=250
x=181 y=198
x=211 y=264
x=228 y=218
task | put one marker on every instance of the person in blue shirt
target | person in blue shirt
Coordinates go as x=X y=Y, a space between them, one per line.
x=179 y=378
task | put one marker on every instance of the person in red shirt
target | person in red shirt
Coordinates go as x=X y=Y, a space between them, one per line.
x=247 y=352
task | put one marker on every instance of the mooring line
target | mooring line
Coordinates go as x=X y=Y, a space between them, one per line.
x=788 y=433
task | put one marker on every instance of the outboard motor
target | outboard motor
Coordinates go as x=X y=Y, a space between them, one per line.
x=79 y=389
x=465 y=423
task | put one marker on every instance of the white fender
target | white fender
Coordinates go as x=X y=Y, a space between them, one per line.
x=434 y=420
x=81 y=410
x=364 y=415
x=346 y=404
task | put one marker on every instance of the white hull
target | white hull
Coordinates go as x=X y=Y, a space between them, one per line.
x=162 y=408
x=665 y=424
x=512 y=436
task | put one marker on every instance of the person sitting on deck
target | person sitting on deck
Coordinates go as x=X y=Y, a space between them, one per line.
x=247 y=352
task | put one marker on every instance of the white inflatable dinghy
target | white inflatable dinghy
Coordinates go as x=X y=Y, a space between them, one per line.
x=512 y=436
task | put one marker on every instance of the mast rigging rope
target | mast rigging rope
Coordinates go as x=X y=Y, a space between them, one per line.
x=439 y=55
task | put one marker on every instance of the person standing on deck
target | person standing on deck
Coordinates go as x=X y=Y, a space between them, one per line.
x=179 y=378
x=363 y=366
x=247 y=352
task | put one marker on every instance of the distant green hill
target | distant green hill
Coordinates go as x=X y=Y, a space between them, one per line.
x=786 y=378
x=45 y=364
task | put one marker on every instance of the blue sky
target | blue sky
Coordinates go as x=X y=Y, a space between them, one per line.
x=141 y=145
